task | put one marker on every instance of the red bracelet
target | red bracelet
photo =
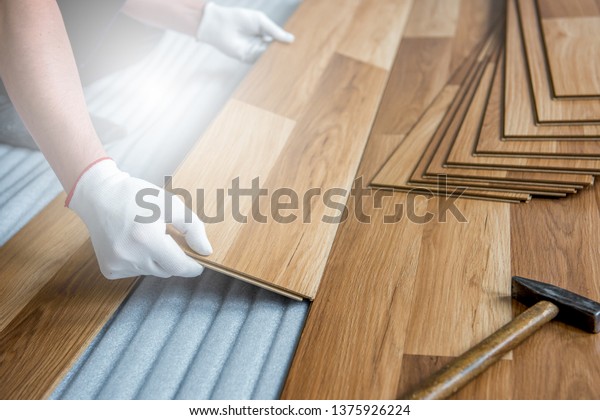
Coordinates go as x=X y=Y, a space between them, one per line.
x=87 y=168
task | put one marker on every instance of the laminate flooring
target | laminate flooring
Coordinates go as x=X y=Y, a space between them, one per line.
x=398 y=300
x=461 y=153
x=438 y=120
x=570 y=31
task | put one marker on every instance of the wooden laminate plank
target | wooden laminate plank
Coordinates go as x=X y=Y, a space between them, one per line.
x=562 y=9
x=394 y=174
x=31 y=257
x=545 y=146
x=433 y=19
x=285 y=255
x=286 y=77
x=400 y=165
x=382 y=29
x=355 y=333
x=571 y=43
x=337 y=116
x=461 y=153
x=39 y=345
x=472 y=27
x=548 y=110
x=520 y=120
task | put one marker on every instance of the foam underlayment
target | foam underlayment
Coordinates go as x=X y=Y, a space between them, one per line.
x=209 y=337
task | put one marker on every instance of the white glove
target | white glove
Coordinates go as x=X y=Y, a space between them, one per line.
x=240 y=33
x=105 y=199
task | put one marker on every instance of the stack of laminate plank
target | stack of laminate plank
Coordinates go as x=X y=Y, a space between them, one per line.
x=519 y=118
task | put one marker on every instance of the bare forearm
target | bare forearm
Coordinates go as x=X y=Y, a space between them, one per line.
x=39 y=72
x=178 y=15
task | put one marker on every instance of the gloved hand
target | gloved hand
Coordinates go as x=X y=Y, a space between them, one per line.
x=105 y=199
x=239 y=33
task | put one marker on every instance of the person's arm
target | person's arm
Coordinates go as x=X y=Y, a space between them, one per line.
x=243 y=34
x=40 y=75
x=39 y=71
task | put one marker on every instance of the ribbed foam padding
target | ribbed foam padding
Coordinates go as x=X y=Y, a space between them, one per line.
x=210 y=337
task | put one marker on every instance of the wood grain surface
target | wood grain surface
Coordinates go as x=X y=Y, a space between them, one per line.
x=520 y=120
x=357 y=341
x=439 y=119
x=548 y=146
x=397 y=170
x=432 y=163
x=56 y=325
x=548 y=109
x=571 y=42
x=461 y=154
x=291 y=139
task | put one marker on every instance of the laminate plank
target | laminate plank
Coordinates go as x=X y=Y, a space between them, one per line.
x=332 y=112
x=520 y=120
x=565 y=9
x=393 y=174
x=548 y=110
x=556 y=242
x=400 y=165
x=381 y=22
x=431 y=166
x=287 y=76
x=398 y=172
x=570 y=43
x=355 y=333
x=286 y=257
x=461 y=153
x=38 y=346
x=434 y=56
x=31 y=257
x=433 y=19
x=472 y=26
x=546 y=146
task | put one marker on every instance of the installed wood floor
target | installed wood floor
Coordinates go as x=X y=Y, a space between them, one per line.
x=398 y=296
x=388 y=315
x=570 y=29
x=292 y=137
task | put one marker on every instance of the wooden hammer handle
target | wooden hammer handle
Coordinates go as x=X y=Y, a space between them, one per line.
x=475 y=361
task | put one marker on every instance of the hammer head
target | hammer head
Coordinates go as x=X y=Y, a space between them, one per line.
x=573 y=309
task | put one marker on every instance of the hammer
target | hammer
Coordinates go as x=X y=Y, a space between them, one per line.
x=548 y=302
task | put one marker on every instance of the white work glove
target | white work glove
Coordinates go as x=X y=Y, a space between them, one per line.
x=105 y=199
x=240 y=33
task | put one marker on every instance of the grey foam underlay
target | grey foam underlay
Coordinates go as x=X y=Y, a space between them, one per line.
x=208 y=337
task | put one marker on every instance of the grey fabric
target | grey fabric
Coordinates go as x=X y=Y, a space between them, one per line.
x=209 y=337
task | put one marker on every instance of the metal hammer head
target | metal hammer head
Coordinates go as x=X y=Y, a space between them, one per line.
x=573 y=309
